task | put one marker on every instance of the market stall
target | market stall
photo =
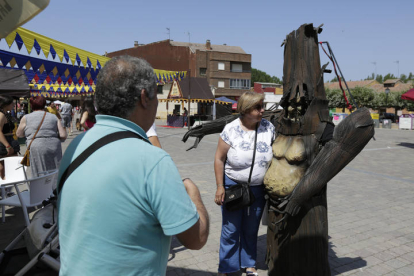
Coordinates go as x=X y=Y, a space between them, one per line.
x=67 y=71
x=197 y=95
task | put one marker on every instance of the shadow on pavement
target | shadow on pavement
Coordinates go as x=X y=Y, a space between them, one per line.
x=407 y=145
x=176 y=247
x=194 y=272
x=343 y=264
x=174 y=271
x=338 y=265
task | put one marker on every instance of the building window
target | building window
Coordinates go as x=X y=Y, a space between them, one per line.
x=236 y=67
x=203 y=71
x=221 y=66
x=159 y=89
x=221 y=84
x=239 y=84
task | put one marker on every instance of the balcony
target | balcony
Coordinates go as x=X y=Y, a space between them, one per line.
x=230 y=75
x=240 y=71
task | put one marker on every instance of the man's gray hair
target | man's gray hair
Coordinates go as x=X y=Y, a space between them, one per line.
x=119 y=85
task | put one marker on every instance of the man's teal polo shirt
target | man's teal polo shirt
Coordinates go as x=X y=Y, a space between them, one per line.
x=119 y=209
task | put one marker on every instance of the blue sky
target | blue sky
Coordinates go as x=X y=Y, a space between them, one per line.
x=360 y=32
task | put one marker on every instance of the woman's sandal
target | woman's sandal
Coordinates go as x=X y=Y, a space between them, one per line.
x=251 y=273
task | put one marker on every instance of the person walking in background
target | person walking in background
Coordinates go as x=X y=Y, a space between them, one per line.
x=8 y=146
x=66 y=114
x=46 y=149
x=88 y=116
x=52 y=109
x=120 y=221
x=232 y=165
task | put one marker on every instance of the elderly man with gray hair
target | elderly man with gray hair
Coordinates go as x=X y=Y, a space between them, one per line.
x=119 y=208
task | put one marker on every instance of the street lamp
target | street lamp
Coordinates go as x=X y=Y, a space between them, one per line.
x=387 y=91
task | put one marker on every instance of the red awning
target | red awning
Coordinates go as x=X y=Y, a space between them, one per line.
x=409 y=95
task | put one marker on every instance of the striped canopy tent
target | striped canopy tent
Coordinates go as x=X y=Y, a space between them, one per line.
x=180 y=100
x=71 y=72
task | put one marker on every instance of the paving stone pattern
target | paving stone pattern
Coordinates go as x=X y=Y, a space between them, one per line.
x=370 y=208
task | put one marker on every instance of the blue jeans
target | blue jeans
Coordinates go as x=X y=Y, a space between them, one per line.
x=238 y=242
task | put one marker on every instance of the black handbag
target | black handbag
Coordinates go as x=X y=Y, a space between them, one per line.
x=238 y=196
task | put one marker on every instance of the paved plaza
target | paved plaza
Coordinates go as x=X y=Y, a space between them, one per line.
x=370 y=205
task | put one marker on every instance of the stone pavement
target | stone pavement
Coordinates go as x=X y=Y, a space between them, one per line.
x=370 y=208
x=370 y=205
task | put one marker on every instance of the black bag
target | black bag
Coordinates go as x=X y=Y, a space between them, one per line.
x=240 y=195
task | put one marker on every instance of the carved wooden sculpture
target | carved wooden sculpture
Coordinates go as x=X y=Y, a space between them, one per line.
x=307 y=153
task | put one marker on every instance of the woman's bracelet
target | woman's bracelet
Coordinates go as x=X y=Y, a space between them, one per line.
x=220 y=185
x=8 y=147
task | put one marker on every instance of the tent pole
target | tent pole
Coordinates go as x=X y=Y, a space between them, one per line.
x=189 y=98
x=28 y=106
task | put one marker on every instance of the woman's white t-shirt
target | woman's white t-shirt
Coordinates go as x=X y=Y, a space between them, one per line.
x=152 y=131
x=240 y=154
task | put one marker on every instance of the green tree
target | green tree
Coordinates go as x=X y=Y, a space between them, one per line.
x=389 y=76
x=379 y=78
x=260 y=76
x=396 y=101
x=372 y=77
x=363 y=96
x=409 y=105
x=334 y=79
x=335 y=98
x=403 y=78
x=393 y=100
x=378 y=101
x=276 y=80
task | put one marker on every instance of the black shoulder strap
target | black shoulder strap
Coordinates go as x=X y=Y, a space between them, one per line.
x=92 y=148
x=254 y=153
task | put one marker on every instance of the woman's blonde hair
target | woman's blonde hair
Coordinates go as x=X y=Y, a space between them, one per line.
x=248 y=101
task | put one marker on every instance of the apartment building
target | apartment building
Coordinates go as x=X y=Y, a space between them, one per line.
x=226 y=68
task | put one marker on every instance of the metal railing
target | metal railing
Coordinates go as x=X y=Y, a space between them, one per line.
x=240 y=71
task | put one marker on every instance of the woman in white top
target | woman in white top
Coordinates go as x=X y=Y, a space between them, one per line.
x=153 y=137
x=233 y=160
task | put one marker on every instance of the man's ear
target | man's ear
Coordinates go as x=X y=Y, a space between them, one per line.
x=144 y=98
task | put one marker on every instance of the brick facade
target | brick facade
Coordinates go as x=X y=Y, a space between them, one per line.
x=202 y=60
x=161 y=55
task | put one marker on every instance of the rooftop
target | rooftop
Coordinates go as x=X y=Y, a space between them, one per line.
x=391 y=81
x=351 y=84
x=215 y=48
x=373 y=84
